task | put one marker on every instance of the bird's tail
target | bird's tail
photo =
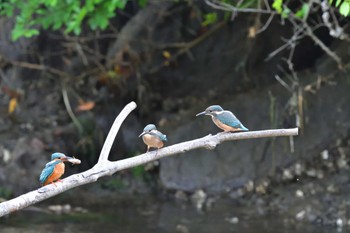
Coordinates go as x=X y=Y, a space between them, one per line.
x=165 y=138
x=243 y=128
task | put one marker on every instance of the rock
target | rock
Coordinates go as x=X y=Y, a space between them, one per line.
x=299 y=193
x=325 y=154
x=233 y=220
x=300 y=215
x=198 y=198
x=287 y=174
x=262 y=187
x=182 y=228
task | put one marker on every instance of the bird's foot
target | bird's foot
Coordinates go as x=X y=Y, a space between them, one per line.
x=238 y=131
x=55 y=183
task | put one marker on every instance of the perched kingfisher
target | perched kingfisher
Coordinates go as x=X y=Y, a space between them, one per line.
x=223 y=119
x=54 y=170
x=152 y=137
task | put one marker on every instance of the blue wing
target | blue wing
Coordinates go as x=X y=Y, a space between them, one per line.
x=47 y=171
x=159 y=134
x=228 y=118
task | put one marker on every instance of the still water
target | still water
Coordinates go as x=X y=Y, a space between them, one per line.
x=150 y=215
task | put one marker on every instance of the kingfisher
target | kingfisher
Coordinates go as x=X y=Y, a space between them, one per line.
x=223 y=119
x=54 y=169
x=152 y=137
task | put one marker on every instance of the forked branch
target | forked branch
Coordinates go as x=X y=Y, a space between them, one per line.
x=105 y=167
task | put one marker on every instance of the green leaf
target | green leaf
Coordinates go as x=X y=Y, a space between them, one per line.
x=304 y=10
x=100 y=19
x=16 y=33
x=337 y=3
x=210 y=18
x=344 y=8
x=7 y=9
x=71 y=26
x=51 y=3
x=70 y=15
x=277 y=5
x=81 y=14
x=30 y=32
x=118 y=3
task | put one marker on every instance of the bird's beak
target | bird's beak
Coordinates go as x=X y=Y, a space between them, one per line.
x=201 y=113
x=67 y=158
x=143 y=133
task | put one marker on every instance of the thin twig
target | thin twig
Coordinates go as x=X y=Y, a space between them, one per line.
x=38 y=67
x=268 y=22
x=324 y=47
x=70 y=111
x=298 y=34
x=227 y=7
x=187 y=46
x=283 y=83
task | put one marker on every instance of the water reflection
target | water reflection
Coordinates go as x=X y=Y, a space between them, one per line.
x=149 y=215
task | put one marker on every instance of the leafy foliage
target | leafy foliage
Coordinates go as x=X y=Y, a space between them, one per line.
x=277 y=5
x=31 y=15
x=303 y=11
x=344 y=6
x=284 y=11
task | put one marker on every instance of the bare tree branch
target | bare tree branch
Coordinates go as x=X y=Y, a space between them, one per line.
x=113 y=132
x=105 y=167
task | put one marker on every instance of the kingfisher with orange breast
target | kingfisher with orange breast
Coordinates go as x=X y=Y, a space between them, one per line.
x=55 y=169
x=223 y=119
x=152 y=137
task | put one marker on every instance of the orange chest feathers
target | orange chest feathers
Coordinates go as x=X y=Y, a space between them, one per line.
x=57 y=173
x=152 y=141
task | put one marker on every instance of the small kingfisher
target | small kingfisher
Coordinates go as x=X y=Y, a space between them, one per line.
x=54 y=170
x=223 y=119
x=152 y=137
